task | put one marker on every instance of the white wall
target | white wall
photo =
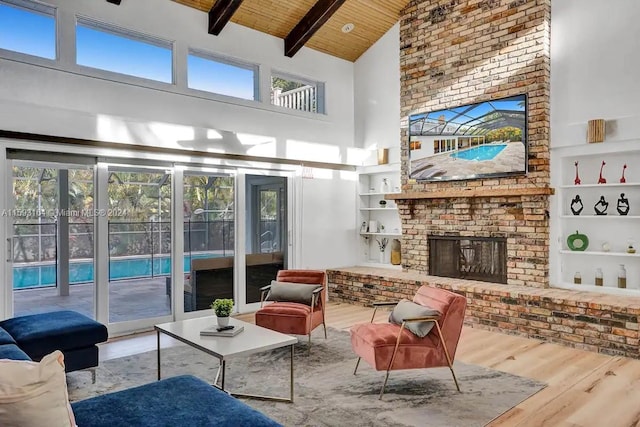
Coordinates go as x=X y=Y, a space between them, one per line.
x=58 y=98
x=595 y=59
x=377 y=95
x=595 y=49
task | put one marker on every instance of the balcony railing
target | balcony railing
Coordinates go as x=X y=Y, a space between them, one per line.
x=302 y=98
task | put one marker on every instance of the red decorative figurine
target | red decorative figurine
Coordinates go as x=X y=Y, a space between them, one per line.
x=623 y=180
x=601 y=180
x=577 y=180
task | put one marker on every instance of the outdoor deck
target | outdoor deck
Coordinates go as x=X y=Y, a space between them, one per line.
x=128 y=299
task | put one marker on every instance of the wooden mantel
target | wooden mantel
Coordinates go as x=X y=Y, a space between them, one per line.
x=450 y=193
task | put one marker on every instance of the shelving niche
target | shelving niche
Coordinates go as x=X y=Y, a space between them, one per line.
x=371 y=213
x=614 y=229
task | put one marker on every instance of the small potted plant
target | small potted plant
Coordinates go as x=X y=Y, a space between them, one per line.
x=222 y=308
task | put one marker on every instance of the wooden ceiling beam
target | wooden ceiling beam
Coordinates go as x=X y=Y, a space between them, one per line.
x=221 y=13
x=309 y=24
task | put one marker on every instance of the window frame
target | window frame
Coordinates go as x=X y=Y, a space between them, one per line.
x=40 y=9
x=115 y=30
x=206 y=55
x=319 y=85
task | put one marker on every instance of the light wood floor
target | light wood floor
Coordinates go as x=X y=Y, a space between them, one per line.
x=584 y=389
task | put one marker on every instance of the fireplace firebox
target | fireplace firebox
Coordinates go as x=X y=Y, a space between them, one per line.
x=474 y=258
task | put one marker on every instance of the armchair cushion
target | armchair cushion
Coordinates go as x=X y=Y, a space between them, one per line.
x=291 y=292
x=407 y=309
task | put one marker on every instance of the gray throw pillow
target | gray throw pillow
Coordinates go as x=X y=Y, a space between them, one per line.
x=291 y=292
x=407 y=309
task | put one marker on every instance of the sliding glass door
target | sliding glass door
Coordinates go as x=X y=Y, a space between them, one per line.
x=133 y=243
x=51 y=237
x=139 y=243
x=266 y=233
x=209 y=238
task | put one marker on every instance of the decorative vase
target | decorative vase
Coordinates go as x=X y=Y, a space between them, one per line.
x=396 y=254
x=385 y=186
x=382 y=257
x=223 y=321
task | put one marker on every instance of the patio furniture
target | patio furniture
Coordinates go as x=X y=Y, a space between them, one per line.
x=388 y=346
x=295 y=317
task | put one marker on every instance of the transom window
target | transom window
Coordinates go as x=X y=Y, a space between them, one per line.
x=297 y=93
x=28 y=27
x=223 y=76
x=123 y=51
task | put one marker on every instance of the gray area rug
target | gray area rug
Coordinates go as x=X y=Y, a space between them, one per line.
x=326 y=391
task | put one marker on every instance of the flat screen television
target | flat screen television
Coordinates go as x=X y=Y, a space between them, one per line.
x=482 y=140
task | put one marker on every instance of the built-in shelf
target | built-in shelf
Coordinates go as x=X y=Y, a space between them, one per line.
x=612 y=290
x=472 y=192
x=376 y=194
x=599 y=253
x=380 y=234
x=613 y=184
x=379 y=209
x=381 y=265
x=600 y=217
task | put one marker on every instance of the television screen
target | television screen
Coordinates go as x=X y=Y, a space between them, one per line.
x=487 y=139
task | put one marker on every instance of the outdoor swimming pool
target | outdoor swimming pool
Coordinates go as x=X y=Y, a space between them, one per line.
x=42 y=275
x=482 y=152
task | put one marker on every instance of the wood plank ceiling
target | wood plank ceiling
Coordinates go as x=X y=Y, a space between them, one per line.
x=372 y=19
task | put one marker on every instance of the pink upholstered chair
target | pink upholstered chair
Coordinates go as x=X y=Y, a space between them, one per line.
x=293 y=317
x=387 y=346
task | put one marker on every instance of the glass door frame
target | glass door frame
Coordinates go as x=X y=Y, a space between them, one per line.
x=178 y=289
x=243 y=199
x=6 y=267
x=102 y=244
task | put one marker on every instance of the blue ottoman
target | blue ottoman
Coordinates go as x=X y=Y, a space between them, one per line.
x=177 y=401
x=75 y=334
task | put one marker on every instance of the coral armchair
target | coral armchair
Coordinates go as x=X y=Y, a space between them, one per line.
x=387 y=346
x=294 y=317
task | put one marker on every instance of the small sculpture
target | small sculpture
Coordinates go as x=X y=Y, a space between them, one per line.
x=623 y=180
x=601 y=206
x=623 y=205
x=601 y=180
x=577 y=180
x=576 y=205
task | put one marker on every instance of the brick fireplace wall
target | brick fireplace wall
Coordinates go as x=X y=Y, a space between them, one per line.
x=457 y=52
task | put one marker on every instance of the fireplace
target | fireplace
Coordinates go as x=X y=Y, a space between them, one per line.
x=475 y=258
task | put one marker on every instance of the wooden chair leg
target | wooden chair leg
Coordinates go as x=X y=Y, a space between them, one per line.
x=325 y=329
x=357 y=363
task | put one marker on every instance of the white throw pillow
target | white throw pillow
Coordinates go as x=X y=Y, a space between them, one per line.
x=34 y=394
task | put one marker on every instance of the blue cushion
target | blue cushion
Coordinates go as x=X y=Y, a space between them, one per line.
x=5 y=338
x=40 y=334
x=177 y=401
x=11 y=351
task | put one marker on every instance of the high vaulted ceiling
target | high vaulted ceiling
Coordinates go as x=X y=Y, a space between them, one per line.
x=372 y=19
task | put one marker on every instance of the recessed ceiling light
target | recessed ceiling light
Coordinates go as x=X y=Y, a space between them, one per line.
x=348 y=27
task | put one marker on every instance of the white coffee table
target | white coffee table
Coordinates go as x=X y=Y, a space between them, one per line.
x=253 y=339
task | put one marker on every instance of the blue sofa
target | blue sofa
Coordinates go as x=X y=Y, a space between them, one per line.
x=179 y=401
x=34 y=336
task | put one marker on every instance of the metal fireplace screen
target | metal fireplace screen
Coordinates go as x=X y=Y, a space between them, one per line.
x=475 y=258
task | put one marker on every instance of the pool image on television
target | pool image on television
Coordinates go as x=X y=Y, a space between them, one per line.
x=486 y=139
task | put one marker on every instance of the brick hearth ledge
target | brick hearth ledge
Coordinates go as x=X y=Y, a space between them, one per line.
x=586 y=320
